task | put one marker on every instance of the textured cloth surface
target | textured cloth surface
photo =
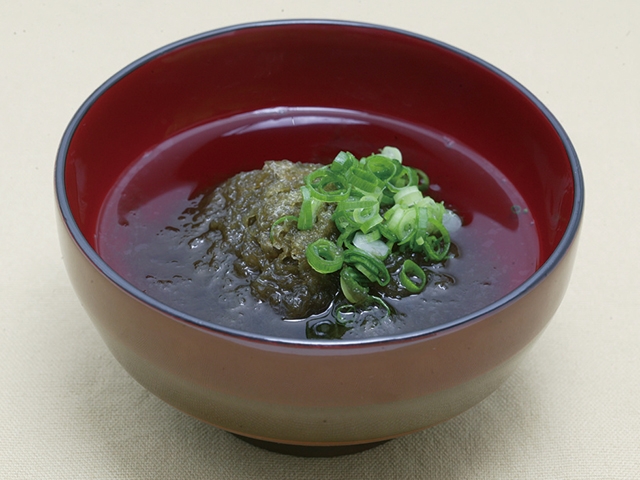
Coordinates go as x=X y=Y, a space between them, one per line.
x=571 y=410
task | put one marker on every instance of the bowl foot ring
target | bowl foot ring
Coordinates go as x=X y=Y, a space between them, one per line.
x=308 y=450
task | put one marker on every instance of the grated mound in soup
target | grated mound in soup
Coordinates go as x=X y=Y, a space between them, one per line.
x=241 y=213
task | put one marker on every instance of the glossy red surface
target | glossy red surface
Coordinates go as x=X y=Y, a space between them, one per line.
x=379 y=72
x=297 y=392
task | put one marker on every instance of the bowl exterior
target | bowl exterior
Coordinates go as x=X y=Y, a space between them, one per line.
x=313 y=395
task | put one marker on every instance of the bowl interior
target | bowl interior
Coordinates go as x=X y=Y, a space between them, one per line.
x=225 y=102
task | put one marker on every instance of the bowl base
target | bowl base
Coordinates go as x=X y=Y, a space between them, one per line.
x=307 y=450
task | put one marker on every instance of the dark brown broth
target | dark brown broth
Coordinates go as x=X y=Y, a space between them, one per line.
x=150 y=242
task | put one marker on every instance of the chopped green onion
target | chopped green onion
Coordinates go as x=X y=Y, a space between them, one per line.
x=407 y=226
x=409 y=271
x=382 y=167
x=351 y=283
x=343 y=162
x=368 y=225
x=437 y=247
x=327 y=186
x=387 y=233
x=408 y=196
x=324 y=256
x=368 y=265
x=352 y=203
x=406 y=177
x=344 y=221
x=392 y=152
x=346 y=237
x=371 y=244
x=362 y=215
x=308 y=209
x=393 y=216
x=379 y=206
x=422 y=218
x=423 y=181
x=365 y=184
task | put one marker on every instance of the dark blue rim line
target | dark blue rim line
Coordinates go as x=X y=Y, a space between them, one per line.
x=92 y=255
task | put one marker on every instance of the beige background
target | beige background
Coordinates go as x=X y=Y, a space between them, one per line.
x=572 y=410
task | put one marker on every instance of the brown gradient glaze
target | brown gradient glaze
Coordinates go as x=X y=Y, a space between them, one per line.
x=313 y=395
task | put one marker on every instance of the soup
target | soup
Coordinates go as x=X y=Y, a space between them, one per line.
x=154 y=240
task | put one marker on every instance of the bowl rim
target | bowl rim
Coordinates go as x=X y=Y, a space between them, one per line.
x=539 y=275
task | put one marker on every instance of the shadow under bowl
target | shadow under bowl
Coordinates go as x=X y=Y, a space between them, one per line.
x=304 y=90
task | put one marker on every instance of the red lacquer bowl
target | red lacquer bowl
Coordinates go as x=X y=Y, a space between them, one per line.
x=257 y=81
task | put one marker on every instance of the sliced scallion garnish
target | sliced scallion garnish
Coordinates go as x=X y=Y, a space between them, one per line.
x=410 y=271
x=308 y=209
x=379 y=206
x=327 y=186
x=353 y=285
x=371 y=267
x=324 y=256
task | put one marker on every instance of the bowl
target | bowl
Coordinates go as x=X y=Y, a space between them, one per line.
x=226 y=101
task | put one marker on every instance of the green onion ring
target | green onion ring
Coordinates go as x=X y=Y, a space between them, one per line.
x=308 y=209
x=435 y=247
x=324 y=256
x=318 y=180
x=351 y=285
x=408 y=196
x=382 y=167
x=368 y=225
x=343 y=162
x=368 y=265
x=411 y=268
x=407 y=226
x=382 y=198
x=423 y=181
